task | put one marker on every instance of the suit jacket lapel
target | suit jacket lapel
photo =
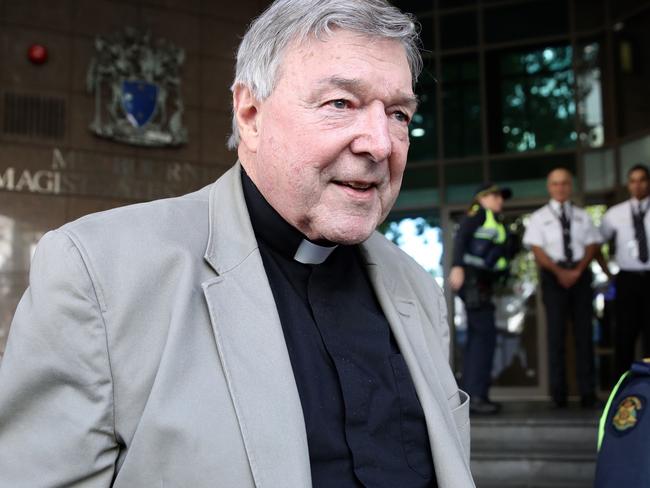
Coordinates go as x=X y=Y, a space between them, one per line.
x=402 y=314
x=251 y=344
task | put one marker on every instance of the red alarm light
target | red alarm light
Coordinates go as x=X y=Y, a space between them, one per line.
x=37 y=54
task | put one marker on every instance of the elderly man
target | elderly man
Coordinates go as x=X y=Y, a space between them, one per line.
x=564 y=241
x=258 y=332
x=628 y=224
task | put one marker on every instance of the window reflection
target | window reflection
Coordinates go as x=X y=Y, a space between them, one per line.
x=422 y=129
x=537 y=104
x=461 y=107
x=589 y=96
x=420 y=237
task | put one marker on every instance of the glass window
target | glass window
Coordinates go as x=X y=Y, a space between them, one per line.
x=461 y=106
x=632 y=39
x=461 y=181
x=526 y=20
x=632 y=153
x=420 y=236
x=458 y=30
x=419 y=188
x=455 y=3
x=531 y=93
x=427 y=33
x=620 y=8
x=589 y=15
x=599 y=170
x=422 y=129
x=527 y=176
x=414 y=6
x=589 y=95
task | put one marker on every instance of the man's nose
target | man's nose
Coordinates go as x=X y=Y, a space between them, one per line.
x=373 y=138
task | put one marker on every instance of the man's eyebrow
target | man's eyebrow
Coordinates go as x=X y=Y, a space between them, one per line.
x=354 y=85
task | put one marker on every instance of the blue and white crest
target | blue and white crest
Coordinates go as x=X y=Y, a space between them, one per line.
x=139 y=100
x=137 y=88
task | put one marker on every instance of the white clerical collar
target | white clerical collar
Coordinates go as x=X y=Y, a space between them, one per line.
x=310 y=253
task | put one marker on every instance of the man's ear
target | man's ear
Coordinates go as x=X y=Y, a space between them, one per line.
x=246 y=111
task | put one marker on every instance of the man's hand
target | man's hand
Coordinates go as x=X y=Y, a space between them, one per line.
x=568 y=277
x=456 y=278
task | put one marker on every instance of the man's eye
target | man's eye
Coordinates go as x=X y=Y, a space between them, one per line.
x=402 y=117
x=340 y=103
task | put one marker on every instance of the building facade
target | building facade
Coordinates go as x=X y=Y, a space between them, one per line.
x=511 y=89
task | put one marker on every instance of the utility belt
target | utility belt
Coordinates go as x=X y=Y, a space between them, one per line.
x=477 y=288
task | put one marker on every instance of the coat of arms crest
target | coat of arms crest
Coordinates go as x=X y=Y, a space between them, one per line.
x=137 y=89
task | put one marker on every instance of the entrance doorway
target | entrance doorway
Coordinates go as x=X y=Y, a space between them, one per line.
x=519 y=369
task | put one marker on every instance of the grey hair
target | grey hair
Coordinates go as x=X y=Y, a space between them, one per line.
x=261 y=51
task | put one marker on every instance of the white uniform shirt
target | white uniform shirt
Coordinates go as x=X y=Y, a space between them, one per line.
x=617 y=221
x=545 y=230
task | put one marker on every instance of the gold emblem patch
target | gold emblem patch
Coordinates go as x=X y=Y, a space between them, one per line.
x=627 y=416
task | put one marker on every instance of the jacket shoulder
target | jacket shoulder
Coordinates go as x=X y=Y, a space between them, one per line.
x=164 y=219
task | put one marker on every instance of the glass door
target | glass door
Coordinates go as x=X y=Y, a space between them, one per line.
x=519 y=368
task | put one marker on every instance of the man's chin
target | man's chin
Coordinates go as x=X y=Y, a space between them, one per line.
x=348 y=236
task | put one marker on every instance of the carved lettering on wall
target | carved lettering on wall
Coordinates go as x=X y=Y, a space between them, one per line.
x=90 y=174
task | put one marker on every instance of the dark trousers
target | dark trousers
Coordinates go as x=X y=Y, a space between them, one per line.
x=562 y=304
x=479 y=351
x=632 y=317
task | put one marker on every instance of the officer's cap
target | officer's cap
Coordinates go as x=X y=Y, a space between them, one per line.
x=489 y=187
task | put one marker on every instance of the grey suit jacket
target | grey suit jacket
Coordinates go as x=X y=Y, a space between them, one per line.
x=148 y=352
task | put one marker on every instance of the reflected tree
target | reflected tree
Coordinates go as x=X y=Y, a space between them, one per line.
x=538 y=106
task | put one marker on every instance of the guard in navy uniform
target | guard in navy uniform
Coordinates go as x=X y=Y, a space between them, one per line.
x=482 y=249
x=624 y=433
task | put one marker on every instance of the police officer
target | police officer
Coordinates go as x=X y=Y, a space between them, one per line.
x=564 y=241
x=624 y=433
x=482 y=248
x=629 y=224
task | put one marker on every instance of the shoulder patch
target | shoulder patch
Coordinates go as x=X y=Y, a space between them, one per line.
x=628 y=414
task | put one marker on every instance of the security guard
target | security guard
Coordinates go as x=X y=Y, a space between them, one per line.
x=628 y=223
x=624 y=434
x=482 y=248
x=564 y=241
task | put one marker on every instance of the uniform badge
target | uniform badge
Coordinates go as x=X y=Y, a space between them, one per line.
x=628 y=414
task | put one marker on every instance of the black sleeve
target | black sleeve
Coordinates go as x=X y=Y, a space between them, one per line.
x=463 y=236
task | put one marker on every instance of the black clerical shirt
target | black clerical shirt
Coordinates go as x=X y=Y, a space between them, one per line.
x=365 y=426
